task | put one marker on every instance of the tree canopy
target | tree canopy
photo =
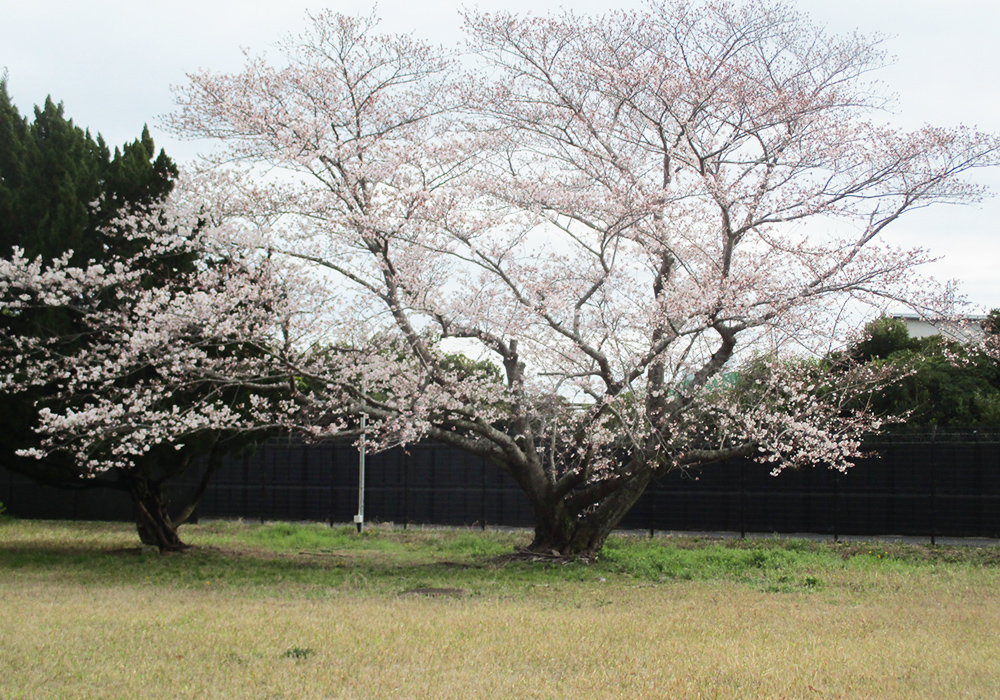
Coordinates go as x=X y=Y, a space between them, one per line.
x=60 y=189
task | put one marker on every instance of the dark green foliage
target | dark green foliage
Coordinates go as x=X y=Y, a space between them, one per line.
x=883 y=337
x=992 y=323
x=60 y=189
x=464 y=367
x=298 y=653
x=942 y=383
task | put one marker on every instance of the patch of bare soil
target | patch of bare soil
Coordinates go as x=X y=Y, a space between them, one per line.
x=436 y=592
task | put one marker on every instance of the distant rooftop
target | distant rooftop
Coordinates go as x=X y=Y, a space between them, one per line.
x=964 y=329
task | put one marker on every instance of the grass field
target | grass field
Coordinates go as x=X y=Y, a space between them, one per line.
x=308 y=611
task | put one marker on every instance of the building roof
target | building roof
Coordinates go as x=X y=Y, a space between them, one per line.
x=964 y=329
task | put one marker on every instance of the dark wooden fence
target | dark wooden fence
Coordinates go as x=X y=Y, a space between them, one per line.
x=922 y=485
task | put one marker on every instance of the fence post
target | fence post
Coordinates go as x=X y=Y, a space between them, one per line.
x=332 y=473
x=650 y=494
x=359 y=519
x=978 y=482
x=432 y=488
x=500 y=502
x=245 y=506
x=406 y=488
x=306 y=485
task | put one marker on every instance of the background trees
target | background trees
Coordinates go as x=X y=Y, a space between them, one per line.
x=61 y=188
x=943 y=383
x=606 y=209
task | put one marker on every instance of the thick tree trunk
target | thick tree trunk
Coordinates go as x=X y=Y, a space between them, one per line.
x=152 y=521
x=560 y=533
x=563 y=531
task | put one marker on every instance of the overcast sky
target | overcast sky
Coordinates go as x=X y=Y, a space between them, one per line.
x=112 y=62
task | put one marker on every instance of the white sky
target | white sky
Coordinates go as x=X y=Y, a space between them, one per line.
x=111 y=62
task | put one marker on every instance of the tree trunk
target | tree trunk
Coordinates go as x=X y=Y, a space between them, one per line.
x=562 y=530
x=152 y=521
x=559 y=533
x=214 y=462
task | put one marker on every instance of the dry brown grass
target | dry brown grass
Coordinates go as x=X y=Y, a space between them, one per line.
x=866 y=633
x=679 y=640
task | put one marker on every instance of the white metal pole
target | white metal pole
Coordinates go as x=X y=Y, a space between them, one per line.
x=359 y=519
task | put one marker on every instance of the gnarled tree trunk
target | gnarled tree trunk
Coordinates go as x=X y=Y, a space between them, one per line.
x=576 y=524
x=152 y=520
x=154 y=525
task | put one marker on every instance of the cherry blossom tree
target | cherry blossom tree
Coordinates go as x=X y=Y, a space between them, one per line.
x=600 y=213
x=716 y=176
x=157 y=367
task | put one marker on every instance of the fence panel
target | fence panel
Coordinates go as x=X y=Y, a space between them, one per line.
x=924 y=485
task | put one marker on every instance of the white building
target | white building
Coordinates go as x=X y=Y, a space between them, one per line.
x=965 y=329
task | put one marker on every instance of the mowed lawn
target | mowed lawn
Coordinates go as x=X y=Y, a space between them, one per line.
x=308 y=611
